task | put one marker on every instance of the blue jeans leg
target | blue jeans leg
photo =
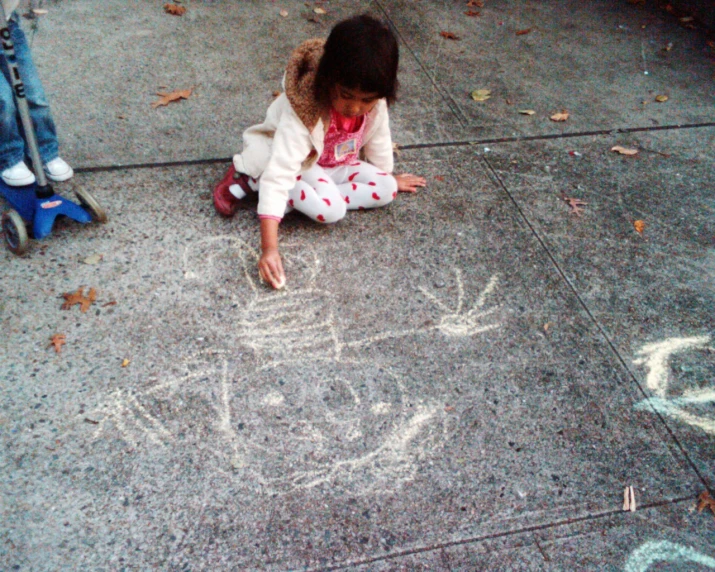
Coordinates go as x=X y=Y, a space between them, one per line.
x=12 y=146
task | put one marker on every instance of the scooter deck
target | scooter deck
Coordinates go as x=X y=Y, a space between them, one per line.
x=42 y=212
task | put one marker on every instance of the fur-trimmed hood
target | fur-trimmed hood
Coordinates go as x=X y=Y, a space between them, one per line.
x=299 y=82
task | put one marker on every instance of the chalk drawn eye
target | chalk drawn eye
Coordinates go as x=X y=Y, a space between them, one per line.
x=381 y=408
x=273 y=399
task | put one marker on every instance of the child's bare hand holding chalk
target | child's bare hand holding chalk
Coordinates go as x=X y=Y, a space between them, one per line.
x=270 y=266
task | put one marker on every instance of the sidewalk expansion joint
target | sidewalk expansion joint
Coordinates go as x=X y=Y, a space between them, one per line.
x=546 y=137
x=510 y=533
x=454 y=107
x=466 y=143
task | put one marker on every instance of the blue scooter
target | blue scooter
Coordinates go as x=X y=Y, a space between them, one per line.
x=35 y=205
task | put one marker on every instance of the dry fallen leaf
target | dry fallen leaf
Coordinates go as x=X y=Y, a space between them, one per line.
x=661 y=98
x=93 y=259
x=575 y=205
x=58 y=340
x=174 y=9
x=125 y=362
x=629 y=499
x=706 y=501
x=176 y=95
x=639 y=225
x=561 y=116
x=283 y=13
x=78 y=297
x=475 y=3
x=471 y=13
x=439 y=178
x=481 y=94
x=523 y=32
x=449 y=36
x=527 y=111
x=624 y=151
x=448 y=408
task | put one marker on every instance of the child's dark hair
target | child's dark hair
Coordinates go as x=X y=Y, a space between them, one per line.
x=360 y=53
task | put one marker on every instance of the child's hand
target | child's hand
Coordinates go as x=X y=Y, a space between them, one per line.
x=270 y=268
x=407 y=183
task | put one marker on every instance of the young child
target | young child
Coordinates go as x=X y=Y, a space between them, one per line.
x=13 y=169
x=305 y=155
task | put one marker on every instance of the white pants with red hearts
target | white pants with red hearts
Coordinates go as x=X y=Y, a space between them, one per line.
x=325 y=194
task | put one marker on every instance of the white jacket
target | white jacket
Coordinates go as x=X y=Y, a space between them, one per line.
x=284 y=145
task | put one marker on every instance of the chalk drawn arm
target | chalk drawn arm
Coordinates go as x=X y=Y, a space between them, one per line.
x=452 y=323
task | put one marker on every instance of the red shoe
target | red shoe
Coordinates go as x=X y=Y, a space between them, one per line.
x=226 y=204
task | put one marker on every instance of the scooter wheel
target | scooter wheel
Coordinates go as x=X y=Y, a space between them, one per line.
x=90 y=203
x=15 y=232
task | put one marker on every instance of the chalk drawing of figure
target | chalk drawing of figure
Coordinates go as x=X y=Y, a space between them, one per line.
x=300 y=413
x=693 y=406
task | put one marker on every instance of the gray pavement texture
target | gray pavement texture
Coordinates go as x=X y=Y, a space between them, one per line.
x=467 y=379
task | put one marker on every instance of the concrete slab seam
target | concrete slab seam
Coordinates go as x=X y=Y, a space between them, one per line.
x=465 y=143
x=453 y=106
x=506 y=534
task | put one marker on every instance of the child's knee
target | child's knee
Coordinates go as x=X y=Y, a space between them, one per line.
x=334 y=211
x=386 y=192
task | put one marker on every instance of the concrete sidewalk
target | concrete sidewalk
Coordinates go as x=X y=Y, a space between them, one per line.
x=465 y=380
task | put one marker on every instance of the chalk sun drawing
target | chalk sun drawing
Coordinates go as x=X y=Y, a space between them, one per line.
x=302 y=413
x=656 y=358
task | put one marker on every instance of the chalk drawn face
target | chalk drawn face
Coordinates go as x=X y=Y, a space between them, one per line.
x=317 y=422
x=294 y=426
